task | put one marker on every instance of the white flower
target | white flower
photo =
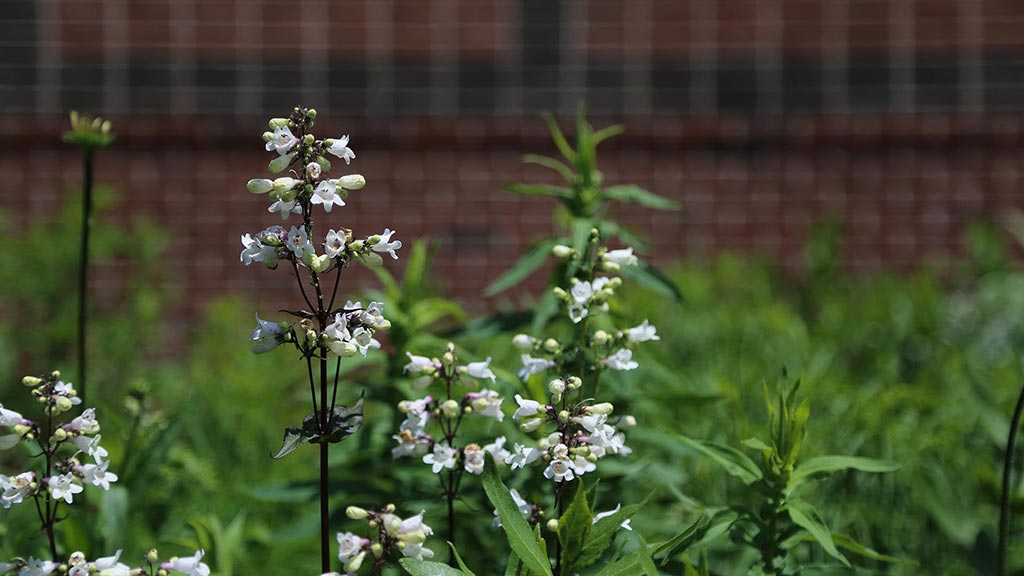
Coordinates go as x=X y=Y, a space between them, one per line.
x=522 y=456
x=339 y=328
x=16 y=488
x=66 y=389
x=61 y=487
x=256 y=251
x=349 y=545
x=560 y=470
x=625 y=523
x=374 y=316
x=622 y=359
x=408 y=443
x=298 y=242
x=417 y=363
x=577 y=312
x=533 y=366
x=326 y=194
x=581 y=465
x=480 y=369
x=386 y=245
x=282 y=141
x=266 y=336
x=109 y=566
x=190 y=566
x=36 y=567
x=285 y=208
x=417 y=551
x=623 y=257
x=340 y=149
x=415 y=524
x=527 y=408
x=334 y=245
x=642 y=333
x=473 y=459
x=582 y=292
x=86 y=423
x=442 y=457
x=10 y=417
x=497 y=449
x=363 y=338
x=487 y=403
x=522 y=341
x=97 y=475
x=313 y=170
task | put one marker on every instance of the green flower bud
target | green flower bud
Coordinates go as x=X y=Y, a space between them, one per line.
x=268 y=136
x=285 y=184
x=556 y=386
x=355 y=562
x=281 y=163
x=55 y=375
x=319 y=263
x=531 y=425
x=31 y=381
x=276 y=123
x=152 y=556
x=560 y=293
x=563 y=416
x=356 y=513
x=601 y=338
x=356 y=246
x=450 y=408
x=311 y=113
x=562 y=251
x=551 y=345
x=552 y=525
x=60 y=434
x=352 y=182
x=392 y=524
x=603 y=408
x=574 y=382
x=308 y=139
x=609 y=266
x=325 y=164
x=376 y=549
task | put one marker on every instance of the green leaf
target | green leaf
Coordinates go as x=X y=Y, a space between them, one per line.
x=631 y=194
x=293 y=438
x=804 y=515
x=756 y=444
x=559 y=138
x=735 y=462
x=606 y=133
x=517 y=530
x=574 y=528
x=686 y=537
x=848 y=543
x=514 y=566
x=824 y=465
x=539 y=190
x=602 y=533
x=458 y=559
x=632 y=564
x=427 y=568
x=647 y=560
x=551 y=163
x=529 y=262
x=286 y=492
x=653 y=279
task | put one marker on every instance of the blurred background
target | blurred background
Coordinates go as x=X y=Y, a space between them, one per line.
x=848 y=172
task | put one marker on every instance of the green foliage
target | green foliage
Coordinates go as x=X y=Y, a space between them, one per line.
x=527 y=546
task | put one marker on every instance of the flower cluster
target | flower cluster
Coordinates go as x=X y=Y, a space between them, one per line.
x=66 y=475
x=78 y=565
x=441 y=452
x=392 y=534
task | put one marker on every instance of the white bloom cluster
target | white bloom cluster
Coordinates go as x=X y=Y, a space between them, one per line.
x=404 y=535
x=353 y=329
x=78 y=565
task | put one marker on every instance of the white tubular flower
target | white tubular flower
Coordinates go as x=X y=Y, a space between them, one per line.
x=285 y=208
x=109 y=566
x=497 y=449
x=334 y=244
x=326 y=193
x=16 y=488
x=582 y=292
x=415 y=524
x=577 y=312
x=282 y=141
x=417 y=551
x=351 y=182
x=481 y=369
x=374 y=316
x=533 y=366
x=417 y=363
x=37 y=567
x=62 y=487
x=90 y=445
x=97 y=475
x=266 y=336
x=298 y=242
x=340 y=149
x=581 y=465
x=338 y=329
x=86 y=423
x=625 y=523
x=642 y=333
x=473 y=459
x=363 y=338
x=313 y=170
x=386 y=245
x=559 y=470
x=527 y=408
x=622 y=359
x=623 y=257
x=285 y=184
x=260 y=185
x=256 y=251
x=10 y=417
x=408 y=444
x=189 y=566
x=67 y=390
x=442 y=457
x=349 y=545
x=522 y=456
x=487 y=403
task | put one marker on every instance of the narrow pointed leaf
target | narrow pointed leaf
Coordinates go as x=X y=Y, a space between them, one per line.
x=458 y=559
x=528 y=263
x=653 y=279
x=631 y=194
x=559 y=138
x=427 y=568
x=539 y=190
x=632 y=564
x=602 y=533
x=520 y=537
x=606 y=133
x=824 y=465
x=293 y=438
x=735 y=462
x=551 y=163
x=805 y=516
x=574 y=528
x=848 y=543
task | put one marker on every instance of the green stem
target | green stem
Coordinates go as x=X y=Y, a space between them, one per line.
x=1004 y=501
x=83 y=265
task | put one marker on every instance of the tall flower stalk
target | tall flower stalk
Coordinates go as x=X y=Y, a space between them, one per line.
x=322 y=329
x=89 y=135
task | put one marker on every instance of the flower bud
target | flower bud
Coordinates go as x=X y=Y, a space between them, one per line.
x=551 y=345
x=601 y=338
x=376 y=549
x=21 y=429
x=311 y=113
x=152 y=556
x=280 y=163
x=285 y=184
x=448 y=359
x=352 y=182
x=531 y=425
x=324 y=163
x=603 y=408
x=556 y=386
x=276 y=123
x=560 y=293
x=416 y=537
x=450 y=408
x=574 y=382
x=356 y=513
x=308 y=139
x=627 y=422
x=63 y=403
x=55 y=375
x=31 y=381
x=390 y=507
x=161 y=572
x=356 y=246
x=375 y=239
x=260 y=185
x=563 y=416
x=42 y=400
x=609 y=266
x=60 y=434
x=268 y=136
x=522 y=342
x=319 y=263
x=355 y=562
x=392 y=524
x=552 y=525
x=562 y=251
x=614 y=283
